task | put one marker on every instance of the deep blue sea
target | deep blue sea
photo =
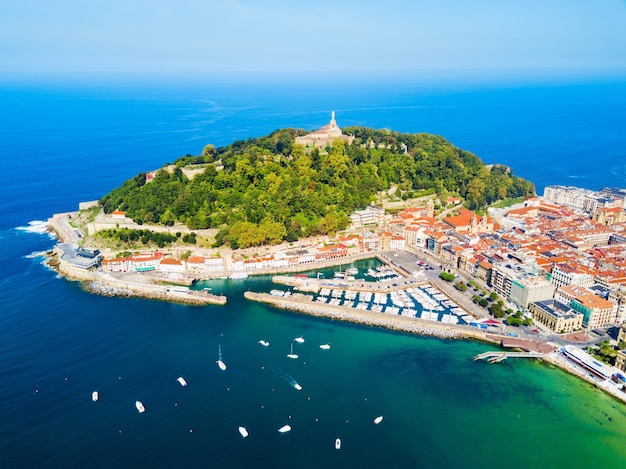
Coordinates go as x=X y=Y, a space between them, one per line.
x=60 y=145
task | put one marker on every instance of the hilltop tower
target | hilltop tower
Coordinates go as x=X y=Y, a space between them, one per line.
x=324 y=137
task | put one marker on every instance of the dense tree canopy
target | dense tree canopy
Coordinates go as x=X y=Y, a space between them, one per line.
x=269 y=189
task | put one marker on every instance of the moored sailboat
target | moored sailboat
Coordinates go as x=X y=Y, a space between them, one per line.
x=291 y=354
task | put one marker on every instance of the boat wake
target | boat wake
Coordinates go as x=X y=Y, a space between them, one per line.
x=292 y=382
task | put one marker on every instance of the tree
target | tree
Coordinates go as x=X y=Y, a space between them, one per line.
x=460 y=286
x=271 y=177
x=513 y=321
x=209 y=152
x=496 y=310
x=446 y=276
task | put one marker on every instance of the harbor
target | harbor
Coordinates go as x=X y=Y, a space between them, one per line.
x=402 y=303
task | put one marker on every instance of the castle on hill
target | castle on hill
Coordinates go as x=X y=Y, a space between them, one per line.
x=324 y=137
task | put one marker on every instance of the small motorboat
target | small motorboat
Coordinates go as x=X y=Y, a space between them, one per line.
x=378 y=419
x=182 y=381
x=140 y=407
x=264 y=343
x=338 y=443
x=325 y=346
x=243 y=432
x=219 y=362
x=284 y=429
x=95 y=396
x=300 y=339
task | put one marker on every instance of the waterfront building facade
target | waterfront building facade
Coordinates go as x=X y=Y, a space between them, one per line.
x=170 y=265
x=597 y=312
x=584 y=199
x=527 y=289
x=556 y=316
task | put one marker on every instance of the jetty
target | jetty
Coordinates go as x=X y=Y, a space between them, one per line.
x=498 y=356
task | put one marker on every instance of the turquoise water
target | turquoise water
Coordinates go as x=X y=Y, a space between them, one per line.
x=58 y=343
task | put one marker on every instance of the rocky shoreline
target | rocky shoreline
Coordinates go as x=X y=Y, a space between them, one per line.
x=108 y=285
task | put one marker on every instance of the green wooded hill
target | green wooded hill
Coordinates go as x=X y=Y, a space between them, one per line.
x=268 y=189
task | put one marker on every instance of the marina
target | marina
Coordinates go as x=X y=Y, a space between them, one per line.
x=408 y=298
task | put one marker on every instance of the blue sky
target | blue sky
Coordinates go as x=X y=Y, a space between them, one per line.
x=419 y=37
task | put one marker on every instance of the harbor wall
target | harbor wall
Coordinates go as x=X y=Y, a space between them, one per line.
x=106 y=284
x=304 y=304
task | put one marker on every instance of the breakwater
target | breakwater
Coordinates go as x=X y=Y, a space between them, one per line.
x=109 y=285
x=303 y=304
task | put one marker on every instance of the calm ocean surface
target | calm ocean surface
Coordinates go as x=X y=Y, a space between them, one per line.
x=62 y=145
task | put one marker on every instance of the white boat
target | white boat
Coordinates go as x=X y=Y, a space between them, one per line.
x=220 y=363
x=352 y=271
x=300 y=339
x=284 y=429
x=325 y=346
x=338 y=443
x=378 y=419
x=296 y=386
x=182 y=381
x=140 y=407
x=243 y=431
x=291 y=354
x=264 y=343
x=95 y=396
